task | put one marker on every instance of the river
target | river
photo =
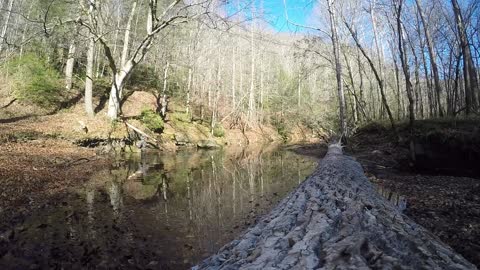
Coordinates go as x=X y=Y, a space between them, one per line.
x=156 y=210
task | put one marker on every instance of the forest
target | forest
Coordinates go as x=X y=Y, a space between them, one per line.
x=208 y=113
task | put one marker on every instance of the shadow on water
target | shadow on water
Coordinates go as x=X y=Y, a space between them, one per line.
x=155 y=211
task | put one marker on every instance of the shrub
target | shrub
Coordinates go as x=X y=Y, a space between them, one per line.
x=152 y=120
x=181 y=116
x=281 y=127
x=218 y=131
x=34 y=80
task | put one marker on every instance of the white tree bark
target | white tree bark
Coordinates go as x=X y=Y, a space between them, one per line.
x=189 y=88
x=116 y=90
x=89 y=68
x=70 y=64
x=251 y=93
x=126 y=39
x=163 y=101
x=338 y=67
x=5 y=25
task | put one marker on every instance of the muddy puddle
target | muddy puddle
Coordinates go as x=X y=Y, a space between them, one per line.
x=154 y=211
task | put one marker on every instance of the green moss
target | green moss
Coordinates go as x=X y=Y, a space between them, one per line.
x=152 y=120
x=180 y=117
x=218 y=131
x=281 y=127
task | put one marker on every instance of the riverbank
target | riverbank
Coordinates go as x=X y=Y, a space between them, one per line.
x=442 y=197
x=178 y=129
x=44 y=153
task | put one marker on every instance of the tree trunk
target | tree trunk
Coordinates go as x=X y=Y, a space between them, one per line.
x=126 y=39
x=378 y=77
x=5 y=26
x=397 y=84
x=469 y=71
x=251 y=98
x=405 y=66
x=116 y=90
x=25 y=28
x=338 y=67
x=355 y=106
x=163 y=101
x=336 y=219
x=299 y=90
x=427 y=78
x=234 y=73
x=433 y=60
x=89 y=72
x=70 y=63
x=189 y=87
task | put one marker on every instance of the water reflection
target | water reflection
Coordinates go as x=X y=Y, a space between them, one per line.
x=157 y=211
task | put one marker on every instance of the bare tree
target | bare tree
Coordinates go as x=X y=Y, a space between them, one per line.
x=404 y=61
x=432 y=58
x=469 y=71
x=338 y=66
x=173 y=14
x=90 y=63
x=3 y=36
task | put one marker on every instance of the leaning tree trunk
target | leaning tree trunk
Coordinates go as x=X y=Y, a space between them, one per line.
x=336 y=220
x=338 y=66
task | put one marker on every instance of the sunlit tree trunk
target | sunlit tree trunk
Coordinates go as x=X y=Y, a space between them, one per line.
x=234 y=71
x=127 y=66
x=5 y=25
x=189 y=87
x=89 y=68
x=25 y=29
x=251 y=93
x=70 y=64
x=163 y=100
x=378 y=76
x=338 y=66
x=126 y=39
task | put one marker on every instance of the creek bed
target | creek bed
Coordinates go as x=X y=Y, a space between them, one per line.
x=154 y=211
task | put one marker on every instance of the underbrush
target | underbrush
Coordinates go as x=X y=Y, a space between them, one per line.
x=33 y=80
x=152 y=120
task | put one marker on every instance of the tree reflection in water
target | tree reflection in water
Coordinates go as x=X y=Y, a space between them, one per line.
x=166 y=211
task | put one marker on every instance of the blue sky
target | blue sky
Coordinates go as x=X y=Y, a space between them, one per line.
x=274 y=12
x=298 y=12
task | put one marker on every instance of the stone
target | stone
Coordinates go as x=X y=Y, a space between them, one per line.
x=181 y=139
x=207 y=144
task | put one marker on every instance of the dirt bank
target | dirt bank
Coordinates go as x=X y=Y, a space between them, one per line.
x=446 y=202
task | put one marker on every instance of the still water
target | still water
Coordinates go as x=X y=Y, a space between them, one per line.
x=157 y=211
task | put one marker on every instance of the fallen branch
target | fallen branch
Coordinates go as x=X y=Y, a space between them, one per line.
x=9 y=103
x=336 y=220
x=140 y=132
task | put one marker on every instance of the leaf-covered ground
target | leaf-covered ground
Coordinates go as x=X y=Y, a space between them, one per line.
x=447 y=205
x=33 y=171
